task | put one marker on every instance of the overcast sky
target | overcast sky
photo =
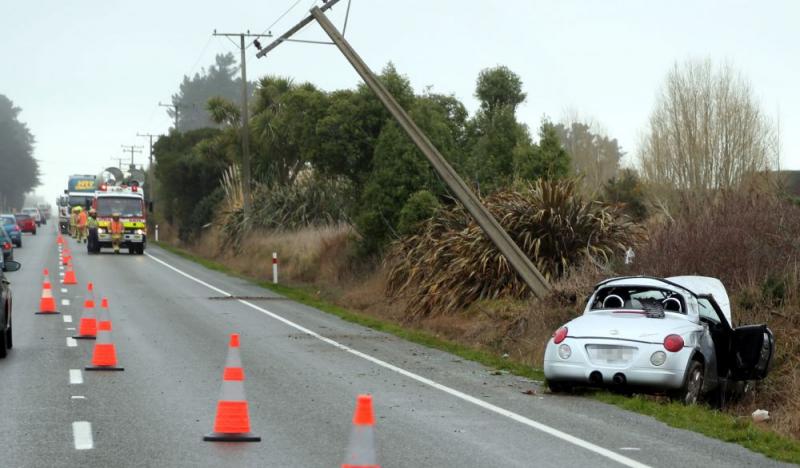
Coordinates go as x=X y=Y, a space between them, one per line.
x=89 y=74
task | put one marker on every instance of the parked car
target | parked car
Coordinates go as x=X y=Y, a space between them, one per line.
x=26 y=223
x=6 y=245
x=35 y=214
x=659 y=334
x=6 y=341
x=10 y=225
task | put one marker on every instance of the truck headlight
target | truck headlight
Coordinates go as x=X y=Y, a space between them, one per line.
x=138 y=232
x=101 y=231
x=564 y=351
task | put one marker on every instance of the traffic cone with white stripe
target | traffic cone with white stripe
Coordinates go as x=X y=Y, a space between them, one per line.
x=87 y=327
x=104 y=356
x=66 y=257
x=361 y=450
x=232 y=422
x=60 y=239
x=47 y=304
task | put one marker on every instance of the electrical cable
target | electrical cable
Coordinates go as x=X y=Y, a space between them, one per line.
x=269 y=28
x=346 y=17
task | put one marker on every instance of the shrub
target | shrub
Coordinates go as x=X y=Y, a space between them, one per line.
x=450 y=263
x=419 y=208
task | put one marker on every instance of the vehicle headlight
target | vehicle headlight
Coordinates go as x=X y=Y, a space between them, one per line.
x=138 y=232
x=658 y=358
x=101 y=231
x=564 y=351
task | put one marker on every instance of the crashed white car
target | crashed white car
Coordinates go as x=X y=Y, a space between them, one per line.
x=658 y=334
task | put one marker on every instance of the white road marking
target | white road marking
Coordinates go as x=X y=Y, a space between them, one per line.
x=621 y=459
x=78 y=397
x=65 y=302
x=64 y=290
x=70 y=328
x=67 y=319
x=71 y=342
x=630 y=449
x=61 y=267
x=82 y=434
x=60 y=273
x=75 y=377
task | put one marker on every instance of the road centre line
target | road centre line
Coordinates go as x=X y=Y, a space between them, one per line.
x=78 y=397
x=71 y=342
x=621 y=459
x=64 y=290
x=75 y=377
x=67 y=319
x=82 y=435
x=65 y=302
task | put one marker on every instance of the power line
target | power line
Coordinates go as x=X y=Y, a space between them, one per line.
x=133 y=149
x=268 y=30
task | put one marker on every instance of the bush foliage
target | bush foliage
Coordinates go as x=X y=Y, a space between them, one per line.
x=451 y=263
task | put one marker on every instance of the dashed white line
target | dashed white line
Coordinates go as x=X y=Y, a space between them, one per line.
x=70 y=328
x=67 y=318
x=610 y=454
x=65 y=302
x=630 y=449
x=71 y=342
x=82 y=434
x=61 y=267
x=64 y=290
x=75 y=377
x=78 y=397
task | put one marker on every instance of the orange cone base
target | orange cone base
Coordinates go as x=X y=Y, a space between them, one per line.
x=47 y=313
x=87 y=337
x=223 y=437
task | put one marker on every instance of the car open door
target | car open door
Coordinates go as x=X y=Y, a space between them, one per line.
x=752 y=349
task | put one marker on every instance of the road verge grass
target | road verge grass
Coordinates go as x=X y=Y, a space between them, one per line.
x=697 y=418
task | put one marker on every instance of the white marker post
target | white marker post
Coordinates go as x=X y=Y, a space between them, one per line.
x=156 y=232
x=274 y=267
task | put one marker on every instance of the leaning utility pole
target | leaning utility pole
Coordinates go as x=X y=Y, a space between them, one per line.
x=132 y=149
x=245 y=122
x=491 y=227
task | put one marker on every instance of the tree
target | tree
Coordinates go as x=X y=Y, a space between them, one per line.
x=547 y=160
x=495 y=135
x=627 y=190
x=595 y=157
x=19 y=171
x=707 y=131
x=220 y=80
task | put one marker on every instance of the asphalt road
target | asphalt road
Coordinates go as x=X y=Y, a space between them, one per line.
x=304 y=369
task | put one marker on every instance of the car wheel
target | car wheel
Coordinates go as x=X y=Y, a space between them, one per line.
x=559 y=387
x=692 y=388
x=4 y=344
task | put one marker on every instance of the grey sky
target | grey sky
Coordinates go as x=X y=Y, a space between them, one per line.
x=89 y=74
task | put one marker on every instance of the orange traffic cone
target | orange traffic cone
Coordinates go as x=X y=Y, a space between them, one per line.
x=232 y=423
x=60 y=239
x=104 y=356
x=47 y=304
x=87 y=328
x=361 y=450
x=66 y=257
x=69 y=276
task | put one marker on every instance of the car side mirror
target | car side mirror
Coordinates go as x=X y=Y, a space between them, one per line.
x=10 y=265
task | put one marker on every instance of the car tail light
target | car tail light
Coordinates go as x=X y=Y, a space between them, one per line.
x=559 y=335
x=673 y=343
x=6 y=245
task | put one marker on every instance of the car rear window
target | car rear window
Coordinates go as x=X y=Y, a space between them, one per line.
x=9 y=220
x=22 y=217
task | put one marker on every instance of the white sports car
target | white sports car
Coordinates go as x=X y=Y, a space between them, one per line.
x=672 y=334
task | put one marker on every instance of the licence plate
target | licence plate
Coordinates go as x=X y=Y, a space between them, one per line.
x=610 y=354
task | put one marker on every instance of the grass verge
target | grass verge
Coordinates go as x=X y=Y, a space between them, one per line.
x=699 y=418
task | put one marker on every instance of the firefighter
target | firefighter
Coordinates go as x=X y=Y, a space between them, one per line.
x=115 y=228
x=82 y=219
x=73 y=222
x=92 y=225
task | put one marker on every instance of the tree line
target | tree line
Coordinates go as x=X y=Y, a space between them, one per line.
x=19 y=171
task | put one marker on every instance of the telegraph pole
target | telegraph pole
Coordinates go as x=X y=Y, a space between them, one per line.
x=150 y=154
x=119 y=162
x=132 y=149
x=490 y=226
x=176 y=109
x=245 y=121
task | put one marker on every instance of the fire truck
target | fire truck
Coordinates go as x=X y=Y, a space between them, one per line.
x=128 y=202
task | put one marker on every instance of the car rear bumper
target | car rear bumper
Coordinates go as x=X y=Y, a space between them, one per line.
x=638 y=371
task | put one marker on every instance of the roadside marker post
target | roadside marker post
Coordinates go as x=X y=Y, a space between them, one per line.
x=274 y=267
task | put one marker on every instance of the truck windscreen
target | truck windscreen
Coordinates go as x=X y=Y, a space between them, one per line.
x=126 y=207
x=78 y=200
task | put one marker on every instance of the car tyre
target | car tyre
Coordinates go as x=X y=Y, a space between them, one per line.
x=4 y=344
x=692 y=388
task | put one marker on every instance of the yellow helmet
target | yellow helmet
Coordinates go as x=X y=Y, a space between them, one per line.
x=79 y=209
